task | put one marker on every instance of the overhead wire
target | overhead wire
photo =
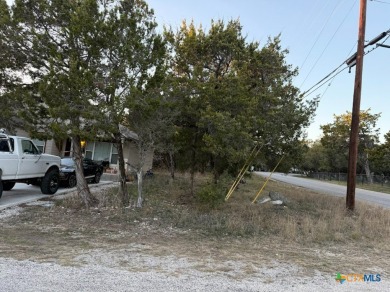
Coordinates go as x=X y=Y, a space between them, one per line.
x=319 y=34
x=326 y=88
x=382 y=44
x=379 y=1
x=333 y=78
x=388 y=36
x=334 y=34
x=310 y=17
x=349 y=53
x=335 y=72
x=323 y=81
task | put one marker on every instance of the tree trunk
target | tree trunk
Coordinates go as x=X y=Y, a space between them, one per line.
x=367 y=169
x=213 y=166
x=139 y=180
x=216 y=173
x=123 y=192
x=192 y=180
x=192 y=173
x=193 y=164
x=82 y=186
x=142 y=153
x=171 y=165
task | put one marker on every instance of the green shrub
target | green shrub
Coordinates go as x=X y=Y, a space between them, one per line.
x=213 y=194
x=210 y=195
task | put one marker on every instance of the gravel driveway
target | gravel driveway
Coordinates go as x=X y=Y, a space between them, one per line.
x=177 y=275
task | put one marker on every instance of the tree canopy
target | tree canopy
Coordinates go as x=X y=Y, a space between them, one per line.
x=315 y=158
x=82 y=68
x=380 y=156
x=12 y=62
x=232 y=94
x=336 y=137
x=85 y=60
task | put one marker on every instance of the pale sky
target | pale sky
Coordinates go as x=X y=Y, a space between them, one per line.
x=319 y=34
x=324 y=33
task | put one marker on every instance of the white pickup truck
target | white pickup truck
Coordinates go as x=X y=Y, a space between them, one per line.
x=21 y=161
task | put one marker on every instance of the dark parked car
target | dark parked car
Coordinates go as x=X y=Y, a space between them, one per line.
x=92 y=171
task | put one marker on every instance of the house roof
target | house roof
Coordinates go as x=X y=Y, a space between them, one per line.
x=128 y=134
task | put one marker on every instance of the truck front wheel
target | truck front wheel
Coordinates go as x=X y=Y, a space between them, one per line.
x=1 y=188
x=50 y=182
x=8 y=185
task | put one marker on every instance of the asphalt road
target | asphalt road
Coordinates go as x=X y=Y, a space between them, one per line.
x=377 y=198
x=23 y=193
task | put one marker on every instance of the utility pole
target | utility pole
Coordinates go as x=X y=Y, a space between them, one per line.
x=354 y=137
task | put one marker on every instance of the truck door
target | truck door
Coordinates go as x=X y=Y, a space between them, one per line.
x=30 y=164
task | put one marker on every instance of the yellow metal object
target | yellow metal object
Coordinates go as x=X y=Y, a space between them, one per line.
x=242 y=171
x=266 y=181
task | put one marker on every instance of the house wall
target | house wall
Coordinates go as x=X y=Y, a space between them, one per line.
x=48 y=146
x=51 y=148
x=130 y=153
x=22 y=133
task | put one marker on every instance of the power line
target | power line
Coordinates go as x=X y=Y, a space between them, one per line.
x=349 y=63
x=319 y=34
x=382 y=44
x=324 y=80
x=354 y=45
x=330 y=76
x=334 y=34
x=326 y=89
x=383 y=2
x=310 y=19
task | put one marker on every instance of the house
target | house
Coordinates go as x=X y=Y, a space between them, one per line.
x=97 y=150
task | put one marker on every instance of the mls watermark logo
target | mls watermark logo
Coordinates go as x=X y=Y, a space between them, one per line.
x=341 y=278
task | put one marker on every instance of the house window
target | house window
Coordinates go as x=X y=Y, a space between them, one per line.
x=89 y=150
x=114 y=154
x=102 y=151
x=68 y=148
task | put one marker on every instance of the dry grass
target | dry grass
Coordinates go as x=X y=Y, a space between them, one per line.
x=307 y=218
